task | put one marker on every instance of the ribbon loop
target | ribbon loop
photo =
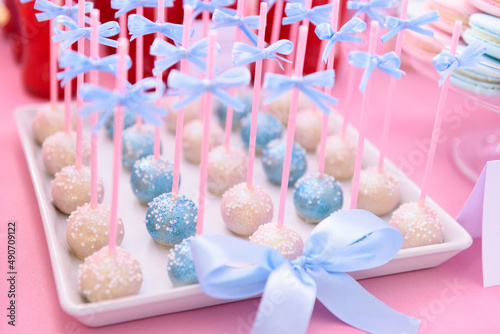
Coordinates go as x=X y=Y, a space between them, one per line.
x=139 y=26
x=200 y=6
x=244 y=54
x=51 y=10
x=395 y=25
x=370 y=8
x=296 y=12
x=125 y=6
x=243 y=23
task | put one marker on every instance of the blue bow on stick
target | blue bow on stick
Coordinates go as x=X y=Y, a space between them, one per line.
x=69 y=37
x=347 y=241
x=78 y=63
x=272 y=2
x=388 y=63
x=139 y=25
x=468 y=59
x=25 y=1
x=194 y=88
x=51 y=10
x=370 y=8
x=126 y=6
x=244 y=53
x=136 y=98
x=296 y=12
x=200 y=6
x=172 y=54
x=279 y=84
x=396 y=25
x=243 y=23
x=325 y=31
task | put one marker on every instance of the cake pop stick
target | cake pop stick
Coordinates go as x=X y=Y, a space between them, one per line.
x=79 y=83
x=294 y=32
x=67 y=94
x=205 y=18
x=53 y=69
x=160 y=19
x=139 y=57
x=94 y=80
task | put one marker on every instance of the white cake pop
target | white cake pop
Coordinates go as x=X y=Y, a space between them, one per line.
x=420 y=225
x=226 y=167
x=59 y=150
x=46 y=122
x=191 y=112
x=340 y=157
x=308 y=129
x=284 y=239
x=378 y=192
x=71 y=188
x=88 y=228
x=108 y=275
x=280 y=107
x=192 y=138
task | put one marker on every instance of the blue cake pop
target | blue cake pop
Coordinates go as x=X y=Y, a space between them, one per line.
x=138 y=142
x=171 y=219
x=180 y=265
x=238 y=116
x=151 y=177
x=316 y=197
x=129 y=119
x=273 y=158
x=268 y=129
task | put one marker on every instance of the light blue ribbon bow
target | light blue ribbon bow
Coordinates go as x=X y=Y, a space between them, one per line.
x=136 y=98
x=51 y=10
x=272 y=2
x=243 y=23
x=296 y=12
x=244 y=53
x=126 y=6
x=172 y=54
x=78 y=63
x=279 y=84
x=325 y=31
x=396 y=25
x=388 y=63
x=200 y=6
x=25 y=1
x=68 y=37
x=194 y=88
x=370 y=8
x=347 y=241
x=139 y=25
x=468 y=59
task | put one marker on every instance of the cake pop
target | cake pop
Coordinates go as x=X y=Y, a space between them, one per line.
x=316 y=197
x=191 y=112
x=180 y=265
x=308 y=129
x=378 y=192
x=284 y=239
x=269 y=128
x=226 y=167
x=129 y=119
x=221 y=110
x=88 y=229
x=46 y=122
x=108 y=275
x=281 y=106
x=138 y=141
x=59 y=149
x=272 y=161
x=171 y=218
x=244 y=208
x=71 y=188
x=420 y=225
x=192 y=137
x=340 y=157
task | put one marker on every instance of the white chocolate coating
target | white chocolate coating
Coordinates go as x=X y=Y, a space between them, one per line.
x=340 y=157
x=226 y=168
x=379 y=191
x=285 y=239
x=59 y=150
x=308 y=129
x=192 y=138
x=191 y=112
x=280 y=107
x=46 y=122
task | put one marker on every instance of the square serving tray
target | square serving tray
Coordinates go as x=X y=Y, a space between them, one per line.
x=157 y=295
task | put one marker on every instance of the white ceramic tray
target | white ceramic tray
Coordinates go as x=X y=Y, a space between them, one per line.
x=157 y=295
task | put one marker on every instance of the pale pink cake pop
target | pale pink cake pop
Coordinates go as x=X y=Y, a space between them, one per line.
x=280 y=107
x=191 y=112
x=108 y=275
x=308 y=129
x=71 y=188
x=244 y=209
x=88 y=229
x=379 y=191
x=340 y=157
x=192 y=137
x=227 y=167
x=284 y=239
x=59 y=151
x=420 y=225
x=46 y=122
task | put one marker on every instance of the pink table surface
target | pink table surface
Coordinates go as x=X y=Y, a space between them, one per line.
x=448 y=299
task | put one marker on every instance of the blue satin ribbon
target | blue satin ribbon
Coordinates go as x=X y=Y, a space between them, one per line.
x=325 y=31
x=25 y=1
x=244 y=53
x=68 y=37
x=243 y=23
x=136 y=98
x=172 y=54
x=272 y=2
x=296 y=12
x=126 y=6
x=278 y=84
x=396 y=25
x=194 y=88
x=78 y=63
x=51 y=10
x=347 y=241
x=370 y=8
x=388 y=63
x=468 y=59
x=139 y=25
x=200 y=6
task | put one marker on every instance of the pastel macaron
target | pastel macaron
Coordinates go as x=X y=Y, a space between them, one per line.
x=488 y=6
x=486 y=29
x=449 y=12
x=483 y=80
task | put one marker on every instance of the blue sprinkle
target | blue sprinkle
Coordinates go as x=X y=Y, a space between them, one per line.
x=180 y=265
x=129 y=119
x=138 y=142
x=273 y=157
x=269 y=128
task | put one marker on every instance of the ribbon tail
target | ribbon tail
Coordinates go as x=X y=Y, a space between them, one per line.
x=364 y=79
x=226 y=99
x=187 y=101
x=108 y=42
x=250 y=34
x=422 y=31
x=390 y=34
x=328 y=48
x=198 y=62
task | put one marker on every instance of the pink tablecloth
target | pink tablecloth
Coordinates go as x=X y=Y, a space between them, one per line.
x=448 y=299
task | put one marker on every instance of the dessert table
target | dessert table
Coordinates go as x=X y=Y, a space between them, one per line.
x=448 y=299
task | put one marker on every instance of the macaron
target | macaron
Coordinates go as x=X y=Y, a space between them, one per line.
x=486 y=29
x=449 y=12
x=488 y=6
x=423 y=47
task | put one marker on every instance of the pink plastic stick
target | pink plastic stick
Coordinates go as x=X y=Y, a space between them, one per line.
x=240 y=11
x=160 y=12
x=122 y=20
x=53 y=68
x=207 y=110
x=392 y=88
x=67 y=94
x=79 y=84
x=205 y=19
x=348 y=99
x=256 y=93
x=439 y=117
x=275 y=31
x=328 y=91
x=188 y=12
x=294 y=31
x=374 y=28
x=299 y=68
x=94 y=80
x=139 y=58
x=123 y=46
